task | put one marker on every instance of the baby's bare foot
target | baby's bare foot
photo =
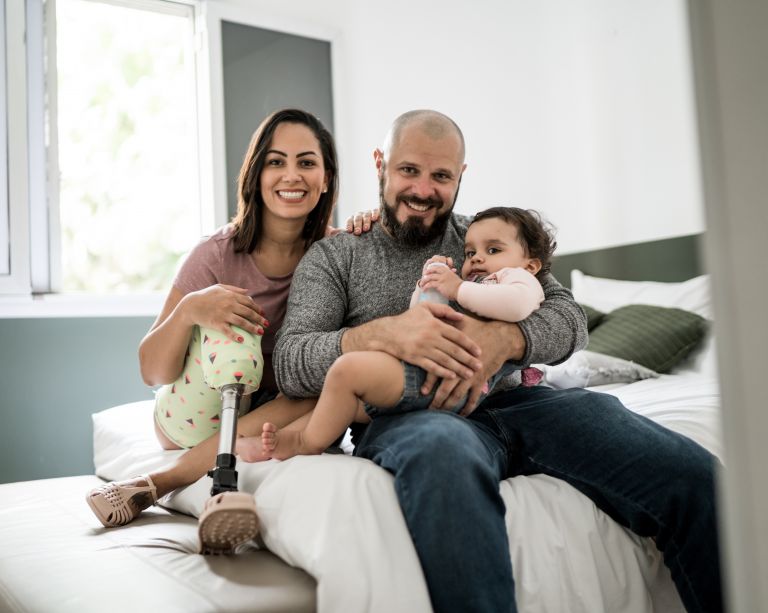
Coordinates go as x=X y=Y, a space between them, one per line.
x=269 y=437
x=288 y=443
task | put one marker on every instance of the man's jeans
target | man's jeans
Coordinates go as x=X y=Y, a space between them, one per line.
x=447 y=471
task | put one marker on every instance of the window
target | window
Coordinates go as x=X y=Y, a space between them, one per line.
x=128 y=189
x=118 y=123
x=110 y=150
x=5 y=256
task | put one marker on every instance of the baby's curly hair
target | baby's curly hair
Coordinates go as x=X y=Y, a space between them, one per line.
x=536 y=235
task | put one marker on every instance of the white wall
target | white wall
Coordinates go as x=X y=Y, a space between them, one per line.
x=582 y=110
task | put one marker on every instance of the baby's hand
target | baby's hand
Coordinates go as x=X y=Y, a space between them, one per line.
x=438 y=259
x=443 y=279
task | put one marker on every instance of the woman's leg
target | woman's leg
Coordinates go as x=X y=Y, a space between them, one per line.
x=139 y=493
x=372 y=377
x=194 y=464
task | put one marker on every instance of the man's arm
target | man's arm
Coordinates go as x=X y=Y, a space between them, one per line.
x=548 y=336
x=310 y=339
x=556 y=329
x=314 y=331
x=420 y=336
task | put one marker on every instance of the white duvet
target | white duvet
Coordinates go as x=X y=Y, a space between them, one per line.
x=337 y=517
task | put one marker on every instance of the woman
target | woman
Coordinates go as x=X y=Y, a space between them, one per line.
x=239 y=276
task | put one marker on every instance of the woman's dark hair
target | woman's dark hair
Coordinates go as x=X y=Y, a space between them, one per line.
x=536 y=235
x=248 y=221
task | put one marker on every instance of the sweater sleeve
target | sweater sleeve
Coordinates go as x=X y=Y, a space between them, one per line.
x=515 y=295
x=310 y=339
x=556 y=329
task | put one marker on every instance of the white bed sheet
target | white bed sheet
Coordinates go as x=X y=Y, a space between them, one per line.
x=337 y=517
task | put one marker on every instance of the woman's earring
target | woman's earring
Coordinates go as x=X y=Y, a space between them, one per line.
x=325 y=189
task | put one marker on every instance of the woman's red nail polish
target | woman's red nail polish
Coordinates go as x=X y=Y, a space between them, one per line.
x=260 y=332
x=240 y=339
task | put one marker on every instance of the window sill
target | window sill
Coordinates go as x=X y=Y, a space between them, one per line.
x=80 y=305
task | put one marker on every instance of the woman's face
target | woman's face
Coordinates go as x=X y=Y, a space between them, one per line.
x=293 y=176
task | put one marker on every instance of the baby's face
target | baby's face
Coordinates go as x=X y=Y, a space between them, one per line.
x=490 y=245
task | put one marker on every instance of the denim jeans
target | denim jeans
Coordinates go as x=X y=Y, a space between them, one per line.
x=447 y=471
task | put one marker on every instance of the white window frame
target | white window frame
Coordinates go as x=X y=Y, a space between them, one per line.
x=31 y=288
x=5 y=256
x=17 y=281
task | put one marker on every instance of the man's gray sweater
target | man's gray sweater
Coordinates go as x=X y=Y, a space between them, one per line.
x=348 y=280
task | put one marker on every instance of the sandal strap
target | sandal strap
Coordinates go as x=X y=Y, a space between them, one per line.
x=152 y=488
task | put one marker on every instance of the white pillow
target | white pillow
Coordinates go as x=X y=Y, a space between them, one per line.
x=587 y=368
x=609 y=294
x=692 y=295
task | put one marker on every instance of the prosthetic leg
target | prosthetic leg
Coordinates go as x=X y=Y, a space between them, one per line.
x=235 y=369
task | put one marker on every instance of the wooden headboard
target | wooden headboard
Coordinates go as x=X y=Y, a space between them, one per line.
x=671 y=259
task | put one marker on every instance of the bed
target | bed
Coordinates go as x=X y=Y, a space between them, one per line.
x=333 y=538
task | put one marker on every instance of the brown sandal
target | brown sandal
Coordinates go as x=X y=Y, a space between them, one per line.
x=117 y=503
x=228 y=520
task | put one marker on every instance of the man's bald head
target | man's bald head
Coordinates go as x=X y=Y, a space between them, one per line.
x=432 y=123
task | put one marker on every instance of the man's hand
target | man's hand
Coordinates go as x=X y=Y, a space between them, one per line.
x=499 y=342
x=424 y=336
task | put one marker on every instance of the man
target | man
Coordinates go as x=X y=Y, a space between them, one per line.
x=352 y=293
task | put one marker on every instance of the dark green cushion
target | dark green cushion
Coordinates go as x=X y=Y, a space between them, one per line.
x=655 y=337
x=594 y=317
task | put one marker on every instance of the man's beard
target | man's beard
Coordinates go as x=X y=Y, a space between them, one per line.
x=413 y=231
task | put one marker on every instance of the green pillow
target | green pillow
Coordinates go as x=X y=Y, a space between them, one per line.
x=594 y=317
x=655 y=337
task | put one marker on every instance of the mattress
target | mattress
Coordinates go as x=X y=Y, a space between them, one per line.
x=337 y=518
x=55 y=558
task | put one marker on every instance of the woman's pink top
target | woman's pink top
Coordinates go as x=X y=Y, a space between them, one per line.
x=214 y=261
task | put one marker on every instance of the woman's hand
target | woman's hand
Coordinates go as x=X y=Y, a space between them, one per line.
x=362 y=221
x=222 y=306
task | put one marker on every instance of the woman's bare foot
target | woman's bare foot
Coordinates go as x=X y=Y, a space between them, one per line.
x=250 y=449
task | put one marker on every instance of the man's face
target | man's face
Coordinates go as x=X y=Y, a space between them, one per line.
x=418 y=184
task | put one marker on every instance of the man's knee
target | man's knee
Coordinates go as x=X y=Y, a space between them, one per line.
x=442 y=442
x=692 y=469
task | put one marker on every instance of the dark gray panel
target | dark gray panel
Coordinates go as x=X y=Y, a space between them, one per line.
x=265 y=71
x=55 y=373
x=670 y=260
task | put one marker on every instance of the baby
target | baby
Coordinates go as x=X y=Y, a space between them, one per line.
x=505 y=248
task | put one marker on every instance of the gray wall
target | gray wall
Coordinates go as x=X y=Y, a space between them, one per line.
x=265 y=71
x=55 y=373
